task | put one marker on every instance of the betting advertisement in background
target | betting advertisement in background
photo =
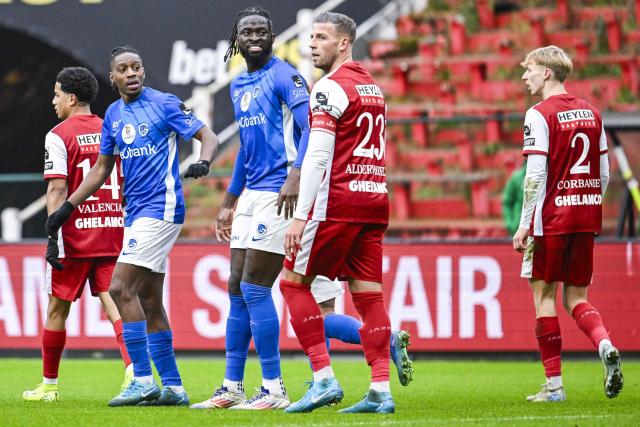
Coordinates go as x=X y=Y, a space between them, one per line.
x=451 y=297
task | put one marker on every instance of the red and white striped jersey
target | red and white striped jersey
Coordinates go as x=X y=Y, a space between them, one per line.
x=349 y=104
x=569 y=132
x=96 y=226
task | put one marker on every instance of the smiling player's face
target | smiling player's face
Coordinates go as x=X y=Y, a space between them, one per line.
x=127 y=73
x=255 y=39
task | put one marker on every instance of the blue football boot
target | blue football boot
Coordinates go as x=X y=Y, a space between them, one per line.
x=321 y=393
x=135 y=393
x=373 y=402
x=168 y=397
x=400 y=358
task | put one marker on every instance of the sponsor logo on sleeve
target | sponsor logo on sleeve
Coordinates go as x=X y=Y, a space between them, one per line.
x=297 y=80
x=46 y=154
x=48 y=166
x=322 y=102
x=527 y=130
x=186 y=110
x=529 y=142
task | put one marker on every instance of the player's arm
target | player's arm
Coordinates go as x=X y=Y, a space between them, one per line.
x=208 y=149
x=56 y=193
x=224 y=219
x=288 y=196
x=533 y=184
x=536 y=148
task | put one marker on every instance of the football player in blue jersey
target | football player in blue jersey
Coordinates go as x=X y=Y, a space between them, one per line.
x=143 y=127
x=271 y=102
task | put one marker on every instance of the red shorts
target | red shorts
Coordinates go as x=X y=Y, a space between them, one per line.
x=68 y=284
x=564 y=258
x=343 y=250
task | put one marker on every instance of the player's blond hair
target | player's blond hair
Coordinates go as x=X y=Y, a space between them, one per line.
x=553 y=58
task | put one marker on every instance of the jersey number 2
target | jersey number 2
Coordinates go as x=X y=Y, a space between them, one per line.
x=578 y=166
x=362 y=150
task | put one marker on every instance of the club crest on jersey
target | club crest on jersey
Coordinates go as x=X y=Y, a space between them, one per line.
x=143 y=128
x=245 y=101
x=128 y=133
x=257 y=91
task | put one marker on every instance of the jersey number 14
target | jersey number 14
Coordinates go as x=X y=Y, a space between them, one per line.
x=114 y=186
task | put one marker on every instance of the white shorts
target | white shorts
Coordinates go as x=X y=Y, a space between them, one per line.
x=324 y=289
x=256 y=223
x=147 y=243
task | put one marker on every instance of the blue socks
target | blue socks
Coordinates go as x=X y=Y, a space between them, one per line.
x=342 y=327
x=135 y=338
x=265 y=327
x=161 y=351
x=238 y=337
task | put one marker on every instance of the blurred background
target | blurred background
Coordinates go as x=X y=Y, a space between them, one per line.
x=450 y=71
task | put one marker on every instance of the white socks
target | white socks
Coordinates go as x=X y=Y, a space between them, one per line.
x=326 y=372
x=46 y=380
x=146 y=380
x=233 y=386
x=176 y=388
x=601 y=345
x=555 y=382
x=275 y=386
x=381 y=386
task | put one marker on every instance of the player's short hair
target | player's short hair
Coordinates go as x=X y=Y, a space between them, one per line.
x=553 y=58
x=80 y=82
x=344 y=24
x=233 y=38
x=120 y=50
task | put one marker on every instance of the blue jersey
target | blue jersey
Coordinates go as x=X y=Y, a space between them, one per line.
x=145 y=134
x=269 y=136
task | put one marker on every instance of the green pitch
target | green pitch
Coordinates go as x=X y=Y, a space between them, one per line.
x=464 y=393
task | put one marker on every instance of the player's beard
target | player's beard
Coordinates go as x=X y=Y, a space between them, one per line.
x=267 y=51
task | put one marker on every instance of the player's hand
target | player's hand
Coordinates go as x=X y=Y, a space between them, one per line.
x=288 y=195
x=293 y=238
x=223 y=224
x=57 y=218
x=52 y=254
x=198 y=169
x=520 y=239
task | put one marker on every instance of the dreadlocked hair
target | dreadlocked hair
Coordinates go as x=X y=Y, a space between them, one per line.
x=122 y=49
x=233 y=38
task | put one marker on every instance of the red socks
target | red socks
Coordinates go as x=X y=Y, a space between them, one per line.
x=375 y=332
x=307 y=322
x=52 y=347
x=590 y=322
x=550 y=344
x=117 y=328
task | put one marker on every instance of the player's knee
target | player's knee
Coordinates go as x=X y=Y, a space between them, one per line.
x=234 y=282
x=58 y=309
x=118 y=290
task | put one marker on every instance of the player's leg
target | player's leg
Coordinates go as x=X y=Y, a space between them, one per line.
x=126 y=283
x=99 y=280
x=261 y=268
x=160 y=341
x=579 y=270
x=549 y=341
x=346 y=328
x=237 y=339
x=53 y=341
x=63 y=287
x=364 y=269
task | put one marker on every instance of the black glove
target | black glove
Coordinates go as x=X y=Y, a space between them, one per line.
x=57 y=218
x=52 y=254
x=198 y=169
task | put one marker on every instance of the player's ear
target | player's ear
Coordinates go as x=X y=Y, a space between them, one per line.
x=73 y=100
